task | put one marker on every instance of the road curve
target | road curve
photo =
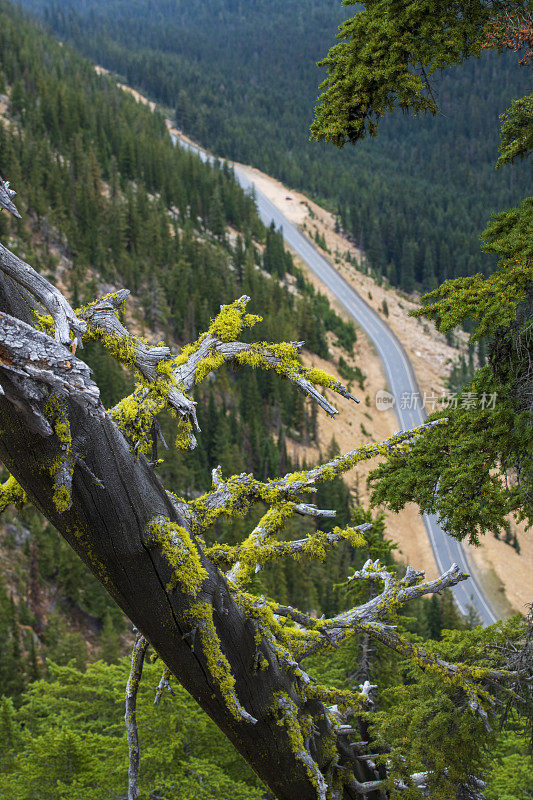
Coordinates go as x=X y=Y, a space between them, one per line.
x=399 y=373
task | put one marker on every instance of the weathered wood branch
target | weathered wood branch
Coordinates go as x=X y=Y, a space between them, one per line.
x=32 y=364
x=163 y=685
x=242 y=491
x=368 y=616
x=169 y=380
x=104 y=325
x=6 y=198
x=225 y=646
x=132 y=687
x=48 y=296
x=273 y=552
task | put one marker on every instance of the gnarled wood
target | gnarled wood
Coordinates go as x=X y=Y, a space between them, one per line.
x=141 y=544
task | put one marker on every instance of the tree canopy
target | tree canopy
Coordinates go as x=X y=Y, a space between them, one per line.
x=388 y=54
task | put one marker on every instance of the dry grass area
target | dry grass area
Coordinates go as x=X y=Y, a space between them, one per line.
x=509 y=573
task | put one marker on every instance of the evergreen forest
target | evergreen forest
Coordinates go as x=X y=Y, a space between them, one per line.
x=243 y=81
x=107 y=201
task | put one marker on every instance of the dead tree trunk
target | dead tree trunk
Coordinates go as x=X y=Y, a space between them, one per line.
x=84 y=469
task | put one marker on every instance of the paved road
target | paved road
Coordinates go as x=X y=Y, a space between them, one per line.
x=399 y=372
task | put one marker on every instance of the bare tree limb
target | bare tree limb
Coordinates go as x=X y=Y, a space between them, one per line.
x=242 y=491
x=65 y=319
x=164 y=685
x=130 y=717
x=6 y=198
x=253 y=553
x=32 y=364
x=168 y=380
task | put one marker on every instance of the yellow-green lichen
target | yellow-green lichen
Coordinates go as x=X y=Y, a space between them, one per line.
x=230 y=321
x=320 y=377
x=285 y=363
x=261 y=612
x=286 y=713
x=187 y=351
x=288 y=719
x=344 y=699
x=81 y=312
x=180 y=552
x=252 y=552
x=242 y=497
x=222 y=555
x=249 y=551
x=62 y=499
x=262 y=662
x=135 y=414
x=183 y=437
x=62 y=468
x=208 y=364
x=317 y=545
x=122 y=350
x=62 y=431
x=44 y=323
x=12 y=492
x=200 y=615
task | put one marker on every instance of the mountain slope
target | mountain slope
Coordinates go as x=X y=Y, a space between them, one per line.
x=108 y=201
x=243 y=81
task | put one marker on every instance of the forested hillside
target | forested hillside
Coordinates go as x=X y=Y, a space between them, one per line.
x=106 y=201
x=243 y=80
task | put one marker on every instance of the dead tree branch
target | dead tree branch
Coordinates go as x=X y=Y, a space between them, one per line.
x=130 y=717
x=85 y=469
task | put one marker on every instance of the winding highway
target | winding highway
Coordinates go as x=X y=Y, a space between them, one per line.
x=399 y=373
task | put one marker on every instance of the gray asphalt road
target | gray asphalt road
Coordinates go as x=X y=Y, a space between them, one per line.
x=400 y=378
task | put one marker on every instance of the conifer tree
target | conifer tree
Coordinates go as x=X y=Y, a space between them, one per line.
x=477 y=469
x=109 y=641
